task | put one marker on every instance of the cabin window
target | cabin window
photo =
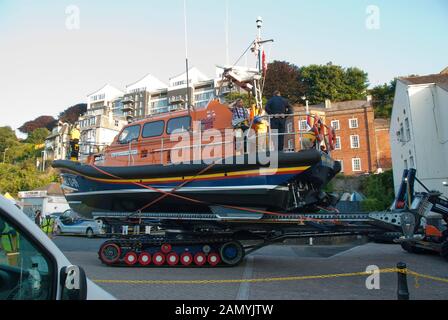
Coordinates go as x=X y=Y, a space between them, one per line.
x=180 y=124
x=129 y=134
x=153 y=129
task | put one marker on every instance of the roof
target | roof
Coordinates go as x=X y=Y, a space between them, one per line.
x=381 y=123
x=148 y=81
x=53 y=189
x=104 y=88
x=440 y=79
x=342 y=105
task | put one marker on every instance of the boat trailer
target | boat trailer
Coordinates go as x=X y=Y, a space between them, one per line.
x=225 y=236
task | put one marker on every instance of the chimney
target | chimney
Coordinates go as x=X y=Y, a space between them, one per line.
x=327 y=103
x=369 y=98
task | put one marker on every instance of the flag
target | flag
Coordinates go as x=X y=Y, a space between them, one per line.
x=264 y=63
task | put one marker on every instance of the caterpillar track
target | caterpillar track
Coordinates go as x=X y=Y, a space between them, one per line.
x=159 y=251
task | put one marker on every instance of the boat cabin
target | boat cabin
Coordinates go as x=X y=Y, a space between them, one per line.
x=155 y=139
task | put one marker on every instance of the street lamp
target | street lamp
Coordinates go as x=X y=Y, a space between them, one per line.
x=4 y=154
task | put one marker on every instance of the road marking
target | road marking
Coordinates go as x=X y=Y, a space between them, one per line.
x=244 y=290
x=278 y=279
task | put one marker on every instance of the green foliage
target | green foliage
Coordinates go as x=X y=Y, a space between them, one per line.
x=383 y=99
x=15 y=178
x=284 y=76
x=247 y=99
x=38 y=136
x=379 y=190
x=333 y=82
x=8 y=138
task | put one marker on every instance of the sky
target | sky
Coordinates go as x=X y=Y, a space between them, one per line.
x=54 y=53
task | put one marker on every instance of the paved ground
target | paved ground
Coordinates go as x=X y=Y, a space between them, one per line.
x=273 y=261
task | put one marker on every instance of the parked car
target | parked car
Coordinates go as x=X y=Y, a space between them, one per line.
x=71 y=223
x=33 y=268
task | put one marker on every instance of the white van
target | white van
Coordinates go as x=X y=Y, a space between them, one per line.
x=33 y=268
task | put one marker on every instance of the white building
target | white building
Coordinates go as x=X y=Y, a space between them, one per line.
x=150 y=96
x=57 y=144
x=48 y=200
x=99 y=125
x=419 y=130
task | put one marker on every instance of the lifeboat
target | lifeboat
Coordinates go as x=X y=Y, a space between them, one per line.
x=198 y=160
x=189 y=160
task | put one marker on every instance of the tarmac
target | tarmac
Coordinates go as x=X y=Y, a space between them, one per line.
x=277 y=272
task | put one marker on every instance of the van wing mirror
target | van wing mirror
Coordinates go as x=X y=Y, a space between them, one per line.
x=73 y=283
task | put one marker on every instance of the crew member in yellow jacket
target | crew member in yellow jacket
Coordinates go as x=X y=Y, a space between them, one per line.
x=75 y=135
x=260 y=126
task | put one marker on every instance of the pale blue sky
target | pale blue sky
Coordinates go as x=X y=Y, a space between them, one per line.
x=45 y=68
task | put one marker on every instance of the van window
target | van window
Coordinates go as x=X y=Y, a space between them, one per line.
x=129 y=134
x=153 y=129
x=180 y=124
x=26 y=271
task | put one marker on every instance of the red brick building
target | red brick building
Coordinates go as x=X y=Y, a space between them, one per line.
x=362 y=142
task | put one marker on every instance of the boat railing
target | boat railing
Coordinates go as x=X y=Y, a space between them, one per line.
x=302 y=138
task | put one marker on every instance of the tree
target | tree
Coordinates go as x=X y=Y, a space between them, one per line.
x=284 y=76
x=15 y=178
x=379 y=189
x=383 y=99
x=333 y=82
x=72 y=114
x=8 y=139
x=47 y=122
x=247 y=100
x=37 y=136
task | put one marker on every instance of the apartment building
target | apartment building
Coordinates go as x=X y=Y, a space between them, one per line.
x=150 y=96
x=101 y=123
x=57 y=144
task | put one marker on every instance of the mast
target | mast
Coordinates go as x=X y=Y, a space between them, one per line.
x=186 y=58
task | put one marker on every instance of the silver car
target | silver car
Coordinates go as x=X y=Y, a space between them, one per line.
x=71 y=223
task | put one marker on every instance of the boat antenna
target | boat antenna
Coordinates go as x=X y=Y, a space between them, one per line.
x=186 y=57
x=227 y=33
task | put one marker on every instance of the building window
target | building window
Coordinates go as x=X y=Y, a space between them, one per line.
x=337 y=145
x=353 y=123
x=335 y=125
x=289 y=127
x=342 y=165
x=356 y=164
x=354 y=142
x=303 y=125
x=408 y=129
x=401 y=137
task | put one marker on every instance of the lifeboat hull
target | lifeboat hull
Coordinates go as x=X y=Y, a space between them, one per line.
x=196 y=187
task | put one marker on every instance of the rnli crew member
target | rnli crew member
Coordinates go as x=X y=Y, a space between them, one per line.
x=277 y=107
x=259 y=125
x=47 y=226
x=240 y=121
x=38 y=218
x=75 y=135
